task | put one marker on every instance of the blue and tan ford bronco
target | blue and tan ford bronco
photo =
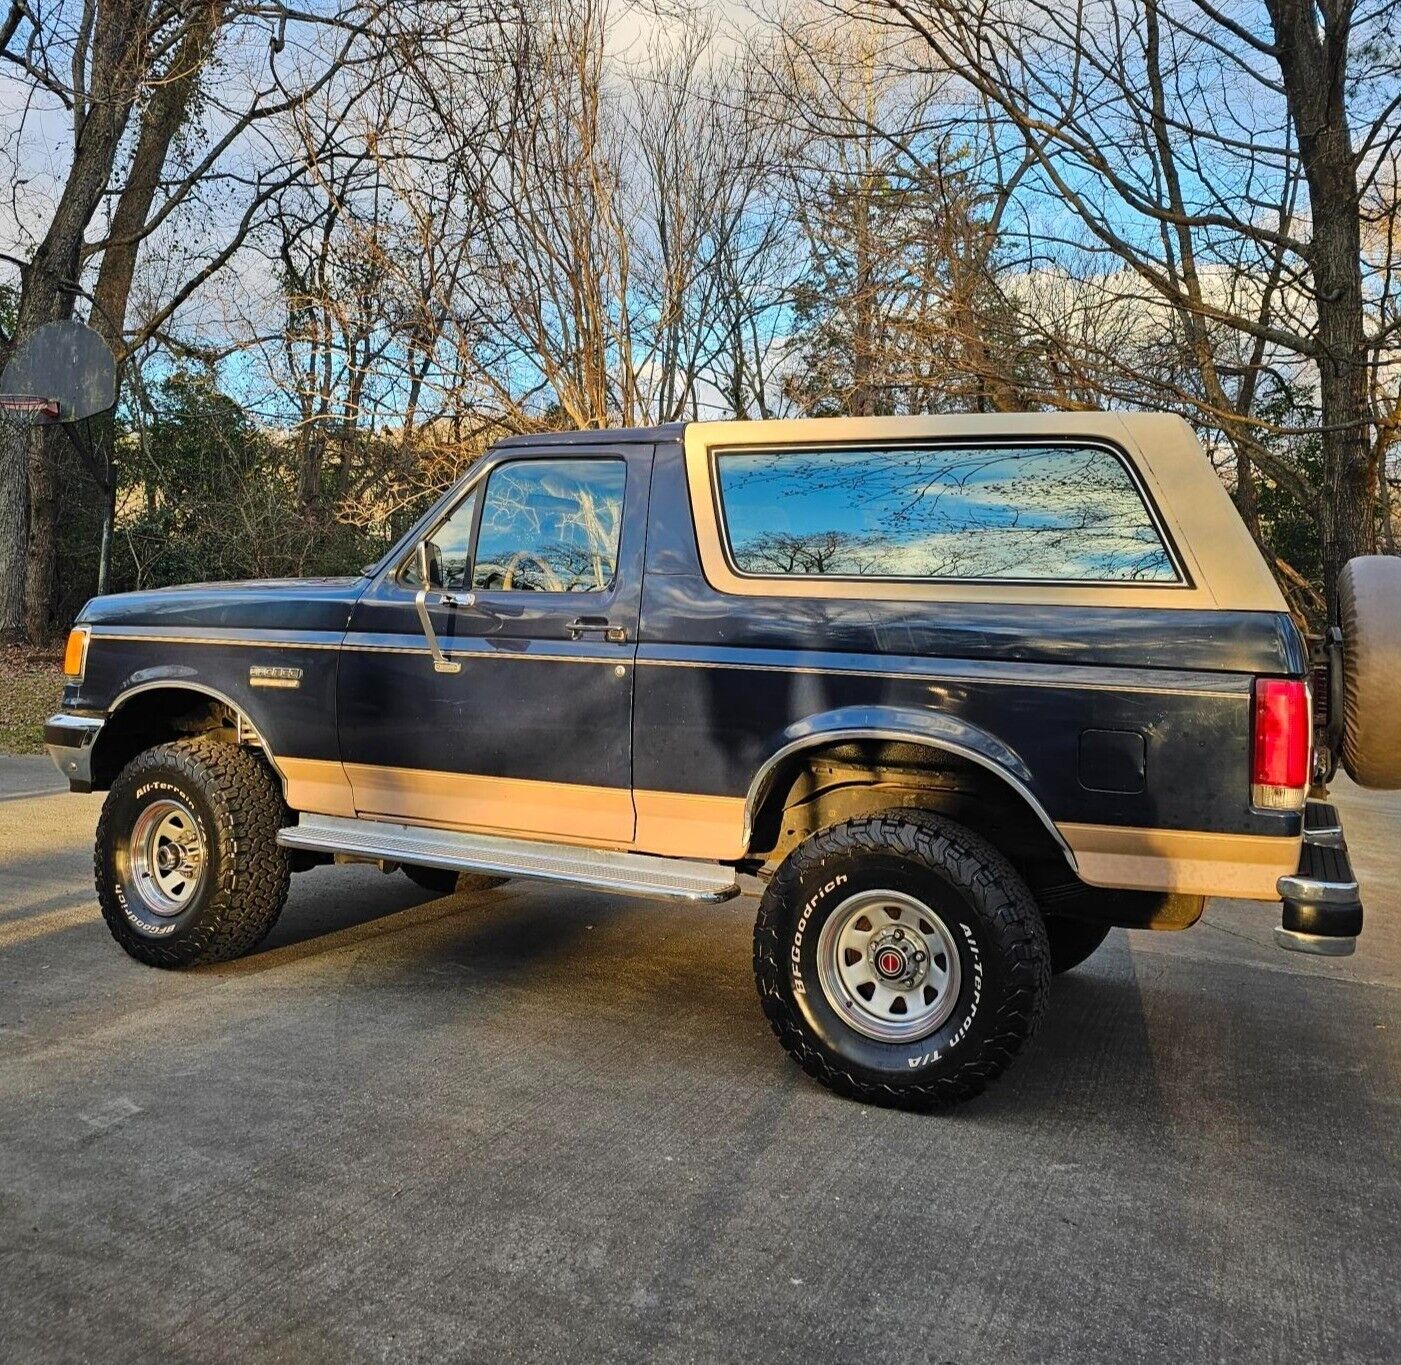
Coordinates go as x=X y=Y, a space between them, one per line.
x=965 y=692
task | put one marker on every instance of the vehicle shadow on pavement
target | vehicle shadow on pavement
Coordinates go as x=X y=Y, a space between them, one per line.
x=1092 y=1053
x=685 y=975
x=1129 y=1045
x=318 y=924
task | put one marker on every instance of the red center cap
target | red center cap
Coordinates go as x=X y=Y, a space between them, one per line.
x=890 y=962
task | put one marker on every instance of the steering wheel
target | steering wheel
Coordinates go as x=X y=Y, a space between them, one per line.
x=550 y=577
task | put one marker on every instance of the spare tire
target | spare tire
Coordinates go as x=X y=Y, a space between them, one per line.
x=1369 y=612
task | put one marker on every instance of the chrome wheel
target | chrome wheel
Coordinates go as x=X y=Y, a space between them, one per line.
x=167 y=857
x=888 y=966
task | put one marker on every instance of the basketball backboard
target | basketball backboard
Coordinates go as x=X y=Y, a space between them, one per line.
x=61 y=372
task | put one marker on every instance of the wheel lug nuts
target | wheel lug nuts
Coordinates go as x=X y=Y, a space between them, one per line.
x=898 y=934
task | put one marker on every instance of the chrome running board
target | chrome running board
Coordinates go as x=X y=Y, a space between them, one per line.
x=636 y=874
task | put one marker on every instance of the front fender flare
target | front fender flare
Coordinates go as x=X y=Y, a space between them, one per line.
x=178 y=679
x=934 y=729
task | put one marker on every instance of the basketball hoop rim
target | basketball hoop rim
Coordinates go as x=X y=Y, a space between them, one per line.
x=30 y=403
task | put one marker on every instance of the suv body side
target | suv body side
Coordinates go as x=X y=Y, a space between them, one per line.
x=1117 y=720
x=938 y=680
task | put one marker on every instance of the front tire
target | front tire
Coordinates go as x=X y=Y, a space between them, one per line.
x=187 y=863
x=901 y=960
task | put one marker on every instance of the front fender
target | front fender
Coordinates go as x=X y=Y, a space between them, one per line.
x=936 y=729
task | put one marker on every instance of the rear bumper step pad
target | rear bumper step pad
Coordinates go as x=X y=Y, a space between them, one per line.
x=1322 y=904
x=634 y=874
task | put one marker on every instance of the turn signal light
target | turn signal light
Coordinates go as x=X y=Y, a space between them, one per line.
x=75 y=653
x=1279 y=774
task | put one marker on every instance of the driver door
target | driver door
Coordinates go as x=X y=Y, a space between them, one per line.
x=539 y=562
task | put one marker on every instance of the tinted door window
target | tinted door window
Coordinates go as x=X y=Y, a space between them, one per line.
x=1032 y=513
x=551 y=526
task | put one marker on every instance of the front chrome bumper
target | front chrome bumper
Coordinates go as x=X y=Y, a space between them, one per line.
x=1322 y=902
x=69 y=740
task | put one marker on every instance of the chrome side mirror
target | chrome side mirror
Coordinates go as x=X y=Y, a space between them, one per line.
x=441 y=662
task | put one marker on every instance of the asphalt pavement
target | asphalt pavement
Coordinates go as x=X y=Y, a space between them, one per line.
x=545 y=1124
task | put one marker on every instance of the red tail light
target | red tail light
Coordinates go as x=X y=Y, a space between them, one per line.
x=1279 y=775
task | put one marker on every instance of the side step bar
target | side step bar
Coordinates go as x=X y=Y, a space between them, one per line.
x=635 y=874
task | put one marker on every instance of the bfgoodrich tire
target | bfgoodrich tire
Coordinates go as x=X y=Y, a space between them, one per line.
x=1369 y=611
x=187 y=863
x=901 y=907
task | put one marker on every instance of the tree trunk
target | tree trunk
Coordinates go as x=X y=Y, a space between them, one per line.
x=14 y=525
x=863 y=319
x=49 y=283
x=41 y=562
x=1349 y=501
x=1247 y=492
x=162 y=118
x=1313 y=60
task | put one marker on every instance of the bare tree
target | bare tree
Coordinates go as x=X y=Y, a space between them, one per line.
x=563 y=236
x=92 y=63
x=1182 y=141
x=165 y=113
x=112 y=63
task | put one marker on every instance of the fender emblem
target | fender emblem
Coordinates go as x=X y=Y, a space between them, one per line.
x=260 y=676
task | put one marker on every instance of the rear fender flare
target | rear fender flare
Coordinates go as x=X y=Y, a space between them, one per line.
x=934 y=729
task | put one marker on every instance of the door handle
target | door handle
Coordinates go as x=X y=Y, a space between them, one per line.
x=597 y=625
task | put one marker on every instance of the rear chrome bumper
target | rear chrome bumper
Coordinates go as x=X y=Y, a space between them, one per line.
x=69 y=740
x=1322 y=904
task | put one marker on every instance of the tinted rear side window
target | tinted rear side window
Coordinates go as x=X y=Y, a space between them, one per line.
x=1038 y=513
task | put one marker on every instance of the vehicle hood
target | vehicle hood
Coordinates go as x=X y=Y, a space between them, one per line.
x=318 y=604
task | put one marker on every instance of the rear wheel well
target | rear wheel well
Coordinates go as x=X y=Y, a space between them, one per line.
x=826 y=784
x=158 y=716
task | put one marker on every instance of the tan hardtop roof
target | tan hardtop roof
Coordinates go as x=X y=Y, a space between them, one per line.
x=1058 y=424
x=1225 y=566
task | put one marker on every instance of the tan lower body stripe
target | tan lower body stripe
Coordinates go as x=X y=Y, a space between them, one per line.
x=1189 y=862
x=674 y=824
x=684 y=825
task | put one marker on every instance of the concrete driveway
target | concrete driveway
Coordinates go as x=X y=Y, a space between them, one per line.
x=540 y=1124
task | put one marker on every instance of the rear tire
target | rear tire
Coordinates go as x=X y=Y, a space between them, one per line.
x=1072 y=941
x=187 y=863
x=827 y=930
